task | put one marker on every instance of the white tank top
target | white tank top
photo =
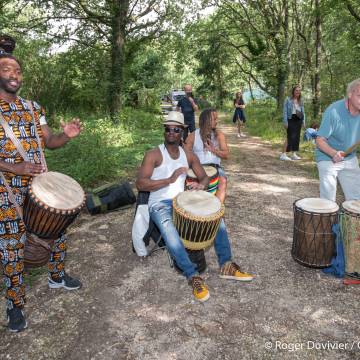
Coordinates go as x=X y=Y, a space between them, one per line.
x=164 y=171
x=205 y=157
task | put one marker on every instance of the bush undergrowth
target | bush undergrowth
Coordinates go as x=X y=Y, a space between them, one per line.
x=104 y=151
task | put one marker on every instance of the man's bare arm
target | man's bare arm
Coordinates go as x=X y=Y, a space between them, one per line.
x=223 y=150
x=151 y=160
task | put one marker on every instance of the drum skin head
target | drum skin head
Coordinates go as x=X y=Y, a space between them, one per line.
x=317 y=205
x=57 y=190
x=210 y=171
x=352 y=206
x=199 y=203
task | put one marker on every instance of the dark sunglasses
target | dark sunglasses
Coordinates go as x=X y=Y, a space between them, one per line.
x=175 y=130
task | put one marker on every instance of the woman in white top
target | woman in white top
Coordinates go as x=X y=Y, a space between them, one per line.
x=209 y=144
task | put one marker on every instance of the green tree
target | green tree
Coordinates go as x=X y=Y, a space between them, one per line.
x=112 y=23
x=146 y=78
x=213 y=60
x=259 y=31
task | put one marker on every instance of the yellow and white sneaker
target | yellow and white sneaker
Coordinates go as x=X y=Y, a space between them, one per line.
x=231 y=270
x=200 y=290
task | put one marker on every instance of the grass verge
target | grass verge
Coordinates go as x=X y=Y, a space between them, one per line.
x=106 y=152
x=263 y=121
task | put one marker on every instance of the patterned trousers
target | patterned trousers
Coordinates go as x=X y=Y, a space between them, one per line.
x=12 y=259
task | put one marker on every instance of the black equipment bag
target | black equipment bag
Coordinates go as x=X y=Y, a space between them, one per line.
x=110 y=197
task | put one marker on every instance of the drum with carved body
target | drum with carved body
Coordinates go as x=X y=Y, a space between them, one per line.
x=314 y=241
x=350 y=231
x=197 y=216
x=51 y=205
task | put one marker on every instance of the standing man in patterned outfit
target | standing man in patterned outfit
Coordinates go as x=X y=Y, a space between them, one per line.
x=22 y=117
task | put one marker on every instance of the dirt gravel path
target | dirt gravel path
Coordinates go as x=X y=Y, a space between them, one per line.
x=131 y=309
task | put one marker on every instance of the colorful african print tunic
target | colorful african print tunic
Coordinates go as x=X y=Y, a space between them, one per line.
x=12 y=229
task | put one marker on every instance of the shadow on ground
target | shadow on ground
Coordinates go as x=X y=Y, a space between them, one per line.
x=132 y=309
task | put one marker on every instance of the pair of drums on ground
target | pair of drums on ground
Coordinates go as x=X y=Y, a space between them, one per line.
x=314 y=239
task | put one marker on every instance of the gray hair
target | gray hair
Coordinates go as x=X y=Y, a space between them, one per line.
x=352 y=86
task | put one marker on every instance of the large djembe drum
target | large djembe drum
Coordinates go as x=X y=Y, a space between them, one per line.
x=51 y=205
x=197 y=216
x=350 y=231
x=314 y=241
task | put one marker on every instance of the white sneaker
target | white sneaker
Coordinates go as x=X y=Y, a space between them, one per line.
x=238 y=135
x=284 y=157
x=242 y=135
x=295 y=157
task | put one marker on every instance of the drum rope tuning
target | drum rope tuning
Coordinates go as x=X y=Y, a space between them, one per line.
x=313 y=238
x=197 y=216
x=52 y=203
x=350 y=234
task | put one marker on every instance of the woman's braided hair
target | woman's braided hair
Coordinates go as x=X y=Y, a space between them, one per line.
x=205 y=125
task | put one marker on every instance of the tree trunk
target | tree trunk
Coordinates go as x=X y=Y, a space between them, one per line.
x=280 y=93
x=283 y=58
x=221 y=89
x=250 y=88
x=318 y=58
x=120 y=9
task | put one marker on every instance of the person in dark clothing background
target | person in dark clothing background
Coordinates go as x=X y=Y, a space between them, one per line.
x=7 y=44
x=239 y=114
x=187 y=105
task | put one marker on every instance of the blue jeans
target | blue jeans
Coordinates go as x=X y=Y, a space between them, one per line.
x=161 y=215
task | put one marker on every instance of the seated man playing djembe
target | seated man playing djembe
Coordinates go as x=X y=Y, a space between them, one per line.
x=163 y=173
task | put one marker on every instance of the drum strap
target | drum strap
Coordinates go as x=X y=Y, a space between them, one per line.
x=42 y=160
x=10 y=134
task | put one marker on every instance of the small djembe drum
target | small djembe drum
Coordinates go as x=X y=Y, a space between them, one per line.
x=51 y=205
x=314 y=241
x=197 y=216
x=350 y=231
x=211 y=172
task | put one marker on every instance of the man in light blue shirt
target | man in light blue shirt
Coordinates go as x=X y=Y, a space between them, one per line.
x=339 y=130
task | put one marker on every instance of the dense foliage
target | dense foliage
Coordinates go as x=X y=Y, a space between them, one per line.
x=67 y=49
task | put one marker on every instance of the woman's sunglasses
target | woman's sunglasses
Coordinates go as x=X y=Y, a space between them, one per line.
x=175 y=130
